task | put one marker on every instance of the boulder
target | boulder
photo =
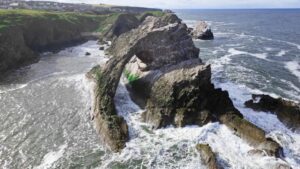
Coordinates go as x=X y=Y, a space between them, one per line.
x=123 y=24
x=207 y=156
x=288 y=112
x=101 y=48
x=202 y=31
x=178 y=96
x=271 y=148
x=244 y=129
x=87 y=53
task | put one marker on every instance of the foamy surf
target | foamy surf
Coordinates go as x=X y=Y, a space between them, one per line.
x=50 y=158
x=294 y=68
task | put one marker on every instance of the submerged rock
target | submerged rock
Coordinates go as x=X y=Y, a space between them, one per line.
x=288 y=112
x=207 y=156
x=202 y=31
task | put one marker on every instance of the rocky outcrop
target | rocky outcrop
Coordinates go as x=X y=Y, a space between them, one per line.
x=144 y=16
x=207 y=156
x=123 y=24
x=173 y=83
x=158 y=43
x=202 y=31
x=288 y=112
x=21 y=43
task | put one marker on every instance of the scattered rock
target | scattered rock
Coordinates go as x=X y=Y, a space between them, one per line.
x=288 y=112
x=207 y=156
x=202 y=31
x=87 y=53
x=271 y=148
x=243 y=128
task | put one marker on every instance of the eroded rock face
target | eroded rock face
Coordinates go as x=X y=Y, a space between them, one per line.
x=207 y=156
x=123 y=24
x=21 y=43
x=288 y=112
x=176 y=96
x=202 y=31
x=158 y=43
x=174 y=83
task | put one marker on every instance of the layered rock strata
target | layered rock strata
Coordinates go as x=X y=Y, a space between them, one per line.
x=174 y=85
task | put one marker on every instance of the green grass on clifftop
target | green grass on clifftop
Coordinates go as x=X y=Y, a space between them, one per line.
x=10 y=18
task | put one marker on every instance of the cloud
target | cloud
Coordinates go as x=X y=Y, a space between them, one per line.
x=197 y=3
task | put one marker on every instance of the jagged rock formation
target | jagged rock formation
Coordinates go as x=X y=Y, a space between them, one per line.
x=144 y=16
x=288 y=112
x=202 y=31
x=174 y=83
x=207 y=156
x=154 y=37
x=123 y=24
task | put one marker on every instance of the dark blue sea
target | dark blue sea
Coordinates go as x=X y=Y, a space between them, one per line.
x=255 y=48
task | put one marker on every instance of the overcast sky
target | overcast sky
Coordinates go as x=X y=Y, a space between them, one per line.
x=197 y=3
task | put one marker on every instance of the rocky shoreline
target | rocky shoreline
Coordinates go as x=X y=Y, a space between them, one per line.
x=172 y=84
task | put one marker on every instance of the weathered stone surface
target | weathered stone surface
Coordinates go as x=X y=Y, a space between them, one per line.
x=178 y=96
x=288 y=112
x=246 y=130
x=144 y=16
x=271 y=148
x=123 y=24
x=21 y=43
x=202 y=31
x=207 y=156
x=154 y=40
x=157 y=42
x=175 y=85
x=254 y=135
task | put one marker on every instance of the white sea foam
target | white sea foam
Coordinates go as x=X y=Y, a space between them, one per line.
x=290 y=141
x=175 y=147
x=51 y=157
x=233 y=51
x=294 y=68
x=281 y=53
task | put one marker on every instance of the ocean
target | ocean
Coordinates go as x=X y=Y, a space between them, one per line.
x=256 y=48
x=45 y=107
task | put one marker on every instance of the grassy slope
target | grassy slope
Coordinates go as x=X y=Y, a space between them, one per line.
x=10 y=18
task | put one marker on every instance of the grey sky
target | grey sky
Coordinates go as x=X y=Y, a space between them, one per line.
x=198 y=3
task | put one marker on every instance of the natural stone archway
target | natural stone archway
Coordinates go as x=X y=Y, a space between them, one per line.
x=157 y=41
x=181 y=92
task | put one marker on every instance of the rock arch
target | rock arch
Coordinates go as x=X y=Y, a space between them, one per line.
x=158 y=42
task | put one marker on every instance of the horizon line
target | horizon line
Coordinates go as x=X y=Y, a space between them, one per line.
x=229 y=8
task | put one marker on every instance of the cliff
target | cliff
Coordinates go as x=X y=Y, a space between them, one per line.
x=25 y=33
